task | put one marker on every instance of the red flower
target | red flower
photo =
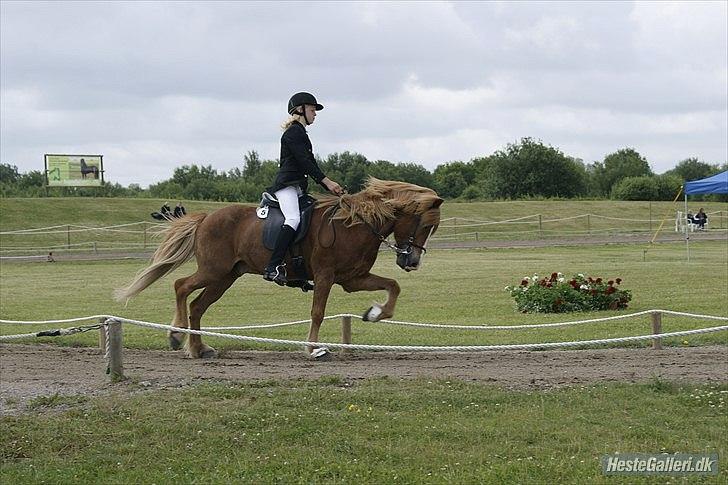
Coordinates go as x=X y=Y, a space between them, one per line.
x=554 y=276
x=610 y=290
x=593 y=292
x=618 y=280
x=524 y=282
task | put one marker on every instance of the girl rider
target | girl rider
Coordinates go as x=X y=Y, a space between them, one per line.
x=297 y=163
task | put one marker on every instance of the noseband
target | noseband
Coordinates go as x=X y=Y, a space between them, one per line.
x=406 y=248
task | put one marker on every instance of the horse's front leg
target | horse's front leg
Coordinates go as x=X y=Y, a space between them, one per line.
x=322 y=288
x=372 y=282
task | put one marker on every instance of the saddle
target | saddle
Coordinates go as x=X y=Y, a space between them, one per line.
x=270 y=210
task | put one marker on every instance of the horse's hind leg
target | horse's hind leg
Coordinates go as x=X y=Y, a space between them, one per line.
x=183 y=287
x=212 y=292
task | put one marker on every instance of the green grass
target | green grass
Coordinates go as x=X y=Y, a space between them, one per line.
x=373 y=431
x=454 y=286
x=463 y=220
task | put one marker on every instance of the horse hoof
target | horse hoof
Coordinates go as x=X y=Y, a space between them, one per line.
x=208 y=353
x=372 y=315
x=321 y=354
x=175 y=340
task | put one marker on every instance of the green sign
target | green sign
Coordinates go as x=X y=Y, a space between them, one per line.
x=74 y=170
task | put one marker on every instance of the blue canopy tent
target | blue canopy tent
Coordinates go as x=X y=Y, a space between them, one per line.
x=716 y=184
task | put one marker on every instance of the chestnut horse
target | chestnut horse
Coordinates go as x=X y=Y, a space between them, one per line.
x=341 y=246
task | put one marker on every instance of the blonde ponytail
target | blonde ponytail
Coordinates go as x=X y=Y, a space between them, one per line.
x=291 y=119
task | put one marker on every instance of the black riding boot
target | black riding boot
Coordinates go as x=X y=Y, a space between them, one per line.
x=276 y=271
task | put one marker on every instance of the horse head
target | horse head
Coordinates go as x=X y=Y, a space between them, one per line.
x=412 y=229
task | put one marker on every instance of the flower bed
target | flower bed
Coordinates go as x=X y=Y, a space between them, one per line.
x=556 y=294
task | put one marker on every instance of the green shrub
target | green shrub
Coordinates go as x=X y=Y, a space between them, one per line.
x=556 y=294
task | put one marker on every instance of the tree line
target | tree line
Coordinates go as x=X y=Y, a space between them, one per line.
x=526 y=169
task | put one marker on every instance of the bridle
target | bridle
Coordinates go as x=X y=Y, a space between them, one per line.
x=406 y=248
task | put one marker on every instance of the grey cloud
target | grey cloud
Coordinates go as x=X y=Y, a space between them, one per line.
x=425 y=81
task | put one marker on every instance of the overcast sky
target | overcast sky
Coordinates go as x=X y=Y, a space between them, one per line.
x=153 y=85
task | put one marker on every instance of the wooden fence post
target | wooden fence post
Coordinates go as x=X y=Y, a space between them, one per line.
x=102 y=335
x=346 y=333
x=656 y=330
x=116 y=367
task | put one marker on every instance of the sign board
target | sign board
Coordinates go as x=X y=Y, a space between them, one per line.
x=74 y=170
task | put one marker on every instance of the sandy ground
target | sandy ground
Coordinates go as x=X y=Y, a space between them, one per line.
x=31 y=371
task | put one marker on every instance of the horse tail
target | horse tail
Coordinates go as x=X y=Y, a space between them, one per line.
x=177 y=248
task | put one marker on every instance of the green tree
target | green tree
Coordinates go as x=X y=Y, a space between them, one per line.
x=530 y=168
x=623 y=163
x=414 y=173
x=693 y=169
x=452 y=178
x=8 y=173
x=636 y=188
x=251 y=164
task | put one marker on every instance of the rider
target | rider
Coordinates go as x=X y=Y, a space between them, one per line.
x=297 y=163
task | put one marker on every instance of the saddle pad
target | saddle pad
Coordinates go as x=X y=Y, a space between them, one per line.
x=274 y=221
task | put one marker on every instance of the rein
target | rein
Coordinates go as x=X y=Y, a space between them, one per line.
x=399 y=250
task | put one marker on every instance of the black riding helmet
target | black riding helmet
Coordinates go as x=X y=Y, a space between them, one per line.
x=299 y=99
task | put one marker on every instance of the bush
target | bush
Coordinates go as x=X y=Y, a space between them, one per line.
x=635 y=188
x=555 y=294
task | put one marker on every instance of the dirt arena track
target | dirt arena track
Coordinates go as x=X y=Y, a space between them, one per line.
x=31 y=371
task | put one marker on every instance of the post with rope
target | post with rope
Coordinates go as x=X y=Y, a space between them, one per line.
x=346 y=333
x=656 y=330
x=102 y=334
x=115 y=368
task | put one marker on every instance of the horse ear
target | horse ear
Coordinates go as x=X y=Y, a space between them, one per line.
x=438 y=202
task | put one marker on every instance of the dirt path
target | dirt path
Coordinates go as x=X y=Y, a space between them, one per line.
x=30 y=371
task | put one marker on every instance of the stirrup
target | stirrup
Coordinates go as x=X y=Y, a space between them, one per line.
x=276 y=275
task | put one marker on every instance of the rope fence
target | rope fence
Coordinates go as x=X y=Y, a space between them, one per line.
x=110 y=338
x=134 y=235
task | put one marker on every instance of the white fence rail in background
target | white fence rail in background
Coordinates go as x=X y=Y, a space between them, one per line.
x=139 y=235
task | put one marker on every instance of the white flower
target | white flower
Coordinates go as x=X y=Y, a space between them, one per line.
x=559 y=274
x=583 y=287
x=560 y=280
x=580 y=275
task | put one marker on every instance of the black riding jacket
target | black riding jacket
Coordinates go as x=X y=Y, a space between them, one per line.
x=297 y=160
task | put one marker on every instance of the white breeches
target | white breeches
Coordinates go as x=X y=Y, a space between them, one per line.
x=288 y=200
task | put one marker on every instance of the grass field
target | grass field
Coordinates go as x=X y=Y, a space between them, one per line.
x=375 y=430
x=464 y=220
x=454 y=286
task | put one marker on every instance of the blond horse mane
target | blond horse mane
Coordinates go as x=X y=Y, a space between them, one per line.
x=379 y=200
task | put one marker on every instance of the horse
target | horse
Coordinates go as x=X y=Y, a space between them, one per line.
x=88 y=169
x=341 y=246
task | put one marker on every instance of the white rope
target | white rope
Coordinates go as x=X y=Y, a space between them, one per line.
x=67 y=320
x=22 y=335
x=422 y=348
x=398 y=322
x=50 y=229
x=547 y=325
